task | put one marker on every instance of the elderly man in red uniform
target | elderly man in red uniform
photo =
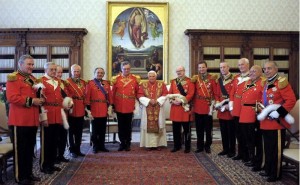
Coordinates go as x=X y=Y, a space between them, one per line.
x=184 y=88
x=125 y=88
x=76 y=89
x=62 y=133
x=98 y=98
x=250 y=131
x=50 y=127
x=224 y=86
x=277 y=92
x=23 y=118
x=152 y=95
x=204 y=99
x=235 y=105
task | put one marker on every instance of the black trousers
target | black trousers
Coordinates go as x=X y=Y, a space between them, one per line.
x=49 y=143
x=62 y=141
x=75 y=133
x=125 y=128
x=204 y=123
x=248 y=138
x=273 y=151
x=238 y=135
x=24 y=139
x=228 y=135
x=177 y=134
x=98 y=132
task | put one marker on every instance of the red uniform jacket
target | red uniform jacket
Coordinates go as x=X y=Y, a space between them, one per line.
x=205 y=92
x=20 y=94
x=177 y=112
x=124 y=92
x=54 y=99
x=251 y=94
x=236 y=94
x=278 y=92
x=228 y=83
x=97 y=100
x=76 y=90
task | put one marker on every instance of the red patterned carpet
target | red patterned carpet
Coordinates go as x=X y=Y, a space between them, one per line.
x=141 y=167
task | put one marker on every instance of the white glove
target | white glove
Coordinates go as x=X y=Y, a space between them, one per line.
x=218 y=105
x=89 y=115
x=230 y=104
x=211 y=108
x=274 y=115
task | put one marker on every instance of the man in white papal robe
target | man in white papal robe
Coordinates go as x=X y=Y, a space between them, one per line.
x=152 y=96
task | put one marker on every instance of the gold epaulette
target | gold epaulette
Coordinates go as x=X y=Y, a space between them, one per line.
x=283 y=82
x=172 y=80
x=113 y=80
x=214 y=76
x=194 y=78
x=39 y=80
x=12 y=76
x=138 y=78
x=263 y=81
x=66 y=82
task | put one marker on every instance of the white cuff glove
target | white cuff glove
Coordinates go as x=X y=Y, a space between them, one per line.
x=89 y=115
x=211 y=108
x=274 y=115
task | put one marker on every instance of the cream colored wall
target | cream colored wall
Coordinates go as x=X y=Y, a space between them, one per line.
x=276 y=15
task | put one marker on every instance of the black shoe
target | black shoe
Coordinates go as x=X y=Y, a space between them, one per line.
x=223 y=153
x=256 y=169
x=272 y=179
x=104 y=150
x=238 y=157
x=198 y=150
x=63 y=159
x=80 y=154
x=187 y=151
x=55 y=168
x=121 y=148
x=73 y=155
x=249 y=164
x=264 y=174
x=26 y=182
x=95 y=150
x=246 y=160
x=174 y=150
x=230 y=155
x=207 y=150
x=34 y=178
x=47 y=171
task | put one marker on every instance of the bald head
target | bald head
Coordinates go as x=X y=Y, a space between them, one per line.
x=255 y=72
x=180 y=70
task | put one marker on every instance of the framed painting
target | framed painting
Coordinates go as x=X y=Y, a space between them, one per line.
x=137 y=32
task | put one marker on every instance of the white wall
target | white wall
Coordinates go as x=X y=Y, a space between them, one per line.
x=277 y=15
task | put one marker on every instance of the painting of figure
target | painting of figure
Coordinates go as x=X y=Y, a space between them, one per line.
x=130 y=42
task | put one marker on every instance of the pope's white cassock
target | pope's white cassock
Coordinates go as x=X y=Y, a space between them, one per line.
x=153 y=127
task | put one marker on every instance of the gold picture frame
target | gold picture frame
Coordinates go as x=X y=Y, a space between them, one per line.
x=138 y=32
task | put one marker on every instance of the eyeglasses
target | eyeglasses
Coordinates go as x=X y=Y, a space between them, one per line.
x=179 y=71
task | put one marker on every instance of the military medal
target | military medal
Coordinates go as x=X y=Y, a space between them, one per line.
x=271 y=102
x=274 y=89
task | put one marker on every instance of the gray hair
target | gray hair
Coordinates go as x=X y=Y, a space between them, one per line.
x=272 y=62
x=47 y=64
x=98 y=68
x=246 y=60
x=75 y=65
x=23 y=58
